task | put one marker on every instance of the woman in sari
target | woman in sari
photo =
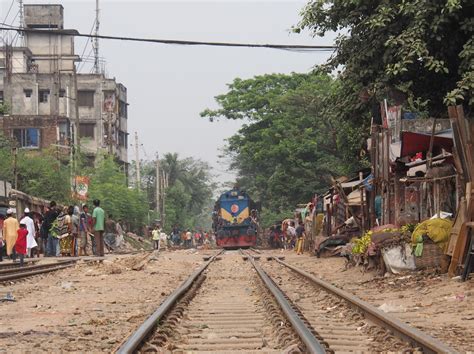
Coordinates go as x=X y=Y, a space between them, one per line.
x=66 y=240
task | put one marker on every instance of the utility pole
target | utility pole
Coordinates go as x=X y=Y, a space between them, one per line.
x=157 y=183
x=22 y=22
x=137 y=161
x=96 y=40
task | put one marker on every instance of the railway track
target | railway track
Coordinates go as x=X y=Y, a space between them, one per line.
x=227 y=305
x=12 y=273
x=233 y=304
x=346 y=322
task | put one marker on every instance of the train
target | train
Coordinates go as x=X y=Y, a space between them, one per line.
x=235 y=220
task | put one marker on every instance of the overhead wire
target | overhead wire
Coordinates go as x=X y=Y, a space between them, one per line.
x=87 y=42
x=181 y=42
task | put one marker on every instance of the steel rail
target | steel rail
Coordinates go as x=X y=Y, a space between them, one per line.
x=27 y=273
x=311 y=342
x=410 y=334
x=18 y=269
x=137 y=337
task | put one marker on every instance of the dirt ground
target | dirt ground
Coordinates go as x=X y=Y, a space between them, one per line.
x=436 y=304
x=91 y=306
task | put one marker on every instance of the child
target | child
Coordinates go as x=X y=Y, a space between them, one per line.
x=20 y=244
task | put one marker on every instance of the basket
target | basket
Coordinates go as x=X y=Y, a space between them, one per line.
x=432 y=257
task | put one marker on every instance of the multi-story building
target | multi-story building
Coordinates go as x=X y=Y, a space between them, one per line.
x=48 y=103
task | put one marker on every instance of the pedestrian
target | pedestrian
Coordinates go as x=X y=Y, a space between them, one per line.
x=38 y=239
x=75 y=230
x=31 y=237
x=84 y=229
x=119 y=233
x=21 y=242
x=10 y=227
x=63 y=229
x=98 y=217
x=52 y=243
x=189 y=237
x=300 y=233
x=109 y=233
x=2 y=243
x=155 y=236
x=163 y=240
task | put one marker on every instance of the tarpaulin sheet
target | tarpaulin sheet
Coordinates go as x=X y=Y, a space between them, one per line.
x=416 y=142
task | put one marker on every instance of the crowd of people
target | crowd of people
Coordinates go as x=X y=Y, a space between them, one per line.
x=287 y=235
x=189 y=238
x=67 y=231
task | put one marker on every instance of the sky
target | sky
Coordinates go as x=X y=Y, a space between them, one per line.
x=169 y=85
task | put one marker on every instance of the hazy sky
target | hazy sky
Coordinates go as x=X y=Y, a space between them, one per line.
x=168 y=86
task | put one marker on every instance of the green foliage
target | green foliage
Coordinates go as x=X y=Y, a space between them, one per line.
x=294 y=139
x=412 y=48
x=189 y=192
x=4 y=108
x=269 y=217
x=109 y=184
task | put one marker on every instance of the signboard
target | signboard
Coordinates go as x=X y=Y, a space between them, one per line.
x=81 y=187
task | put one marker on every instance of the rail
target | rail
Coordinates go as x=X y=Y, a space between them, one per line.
x=24 y=272
x=400 y=329
x=134 y=341
x=312 y=343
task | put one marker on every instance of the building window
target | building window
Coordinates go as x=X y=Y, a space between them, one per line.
x=85 y=98
x=62 y=93
x=1 y=97
x=123 y=109
x=43 y=96
x=28 y=92
x=27 y=138
x=86 y=130
x=123 y=139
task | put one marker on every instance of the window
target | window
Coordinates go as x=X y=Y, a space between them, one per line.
x=123 y=109
x=85 y=98
x=123 y=139
x=62 y=93
x=1 y=97
x=27 y=138
x=86 y=130
x=43 y=96
x=28 y=92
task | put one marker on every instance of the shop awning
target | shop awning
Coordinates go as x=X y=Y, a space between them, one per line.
x=418 y=142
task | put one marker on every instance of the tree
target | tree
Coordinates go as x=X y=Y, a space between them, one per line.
x=418 y=51
x=108 y=184
x=294 y=140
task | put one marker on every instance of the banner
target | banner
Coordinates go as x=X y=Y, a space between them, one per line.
x=81 y=187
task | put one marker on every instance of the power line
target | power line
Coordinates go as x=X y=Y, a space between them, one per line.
x=178 y=42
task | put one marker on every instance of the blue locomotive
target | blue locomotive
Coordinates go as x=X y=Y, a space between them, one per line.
x=235 y=220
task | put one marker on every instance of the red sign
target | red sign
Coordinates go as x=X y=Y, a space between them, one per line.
x=81 y=187
x=234 y=208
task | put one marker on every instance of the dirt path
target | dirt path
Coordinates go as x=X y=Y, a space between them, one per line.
x=436 y=304
x=90 y=306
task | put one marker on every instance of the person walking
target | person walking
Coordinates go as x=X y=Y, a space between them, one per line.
x=110 y=233
x=300 y=233
x=2 y=243
x=10 y=227
x=155 y=236
x=52 y=243
x=31 y=237
x=21 y=243
x=98 y=220
x=84 y=230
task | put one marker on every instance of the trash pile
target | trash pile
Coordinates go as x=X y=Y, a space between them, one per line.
x=410 y=247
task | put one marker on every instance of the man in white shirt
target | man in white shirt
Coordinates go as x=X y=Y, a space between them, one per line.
x=30 y=226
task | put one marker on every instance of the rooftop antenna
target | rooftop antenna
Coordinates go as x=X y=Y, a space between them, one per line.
x=96 y=40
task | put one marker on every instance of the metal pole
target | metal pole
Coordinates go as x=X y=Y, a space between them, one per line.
x=137 y=161
x=157 y=183
x=96 y=39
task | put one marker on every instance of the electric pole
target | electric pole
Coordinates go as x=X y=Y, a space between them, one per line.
x=137 y=161
x=157 y=183
x=96 y=40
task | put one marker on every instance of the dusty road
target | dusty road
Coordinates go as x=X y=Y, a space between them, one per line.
x=89 y=307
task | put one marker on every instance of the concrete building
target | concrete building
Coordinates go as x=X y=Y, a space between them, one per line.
x=49 y=103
